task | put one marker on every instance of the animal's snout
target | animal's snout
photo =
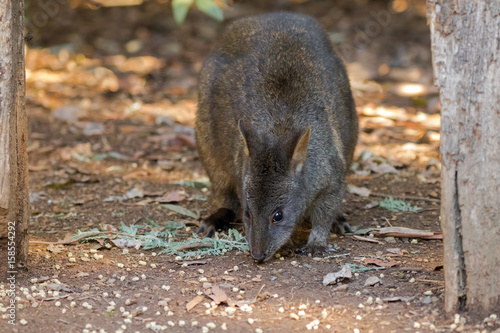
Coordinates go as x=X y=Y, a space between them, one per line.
x=259 y=256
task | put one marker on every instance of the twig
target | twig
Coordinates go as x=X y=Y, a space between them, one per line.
x=430 y=281
x=408 y=268
x=337 y=255
x=366 y=239
x=255 y=298
x=404 y=197
x=425 y=210
x=387 y=221
x=197 y=245
x=65 y=242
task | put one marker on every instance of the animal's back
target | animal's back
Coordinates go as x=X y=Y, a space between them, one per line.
x=277 y=71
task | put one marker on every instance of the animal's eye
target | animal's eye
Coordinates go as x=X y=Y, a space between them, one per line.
x=278 y=216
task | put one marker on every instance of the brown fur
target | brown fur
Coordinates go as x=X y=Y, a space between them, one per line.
x=276 y=130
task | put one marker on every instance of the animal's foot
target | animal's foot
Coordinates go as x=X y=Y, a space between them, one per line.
x=341 y=226
x=219 y=220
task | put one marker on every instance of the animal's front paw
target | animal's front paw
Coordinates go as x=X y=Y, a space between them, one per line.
x=316 y=250
x=340 y=226
x=206 y=229
x=219 y=220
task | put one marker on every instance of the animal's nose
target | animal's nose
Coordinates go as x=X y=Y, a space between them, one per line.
x=258 y=256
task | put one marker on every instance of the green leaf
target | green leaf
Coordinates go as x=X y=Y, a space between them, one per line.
x=396 y=205
x=129 y=230
x=153 y=223
x=174 y=225
x=180 y=210
x=180 y=9
x=363 y=231
x=210 y=8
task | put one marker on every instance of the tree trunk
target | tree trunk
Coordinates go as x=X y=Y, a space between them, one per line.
x=14 y=192
x=466 y=58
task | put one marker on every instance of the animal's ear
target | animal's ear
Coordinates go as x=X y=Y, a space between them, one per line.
x=300 y=151
x=244 y=136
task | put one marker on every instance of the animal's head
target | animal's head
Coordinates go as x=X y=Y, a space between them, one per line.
x=273 y=198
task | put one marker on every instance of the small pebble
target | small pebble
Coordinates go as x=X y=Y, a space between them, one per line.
x=230 y=310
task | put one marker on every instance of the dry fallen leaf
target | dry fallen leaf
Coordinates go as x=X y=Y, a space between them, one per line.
x=58 y=287
x=372 y=280
x=55 y=248
x=217 y=295
x=407 y=232
x=194 y=302
x=81 y=274
x=361 y=191
x=174 y=196
x=395 y=250
x=398 y=299
x=332 y=278
x=380 y=263
x=367 y=239
x=191 y=262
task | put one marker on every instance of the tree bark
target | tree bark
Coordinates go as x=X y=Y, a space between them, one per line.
x=466 y=59
x=14 y=192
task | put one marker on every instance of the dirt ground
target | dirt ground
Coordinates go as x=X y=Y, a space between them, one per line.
x=111 y=96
